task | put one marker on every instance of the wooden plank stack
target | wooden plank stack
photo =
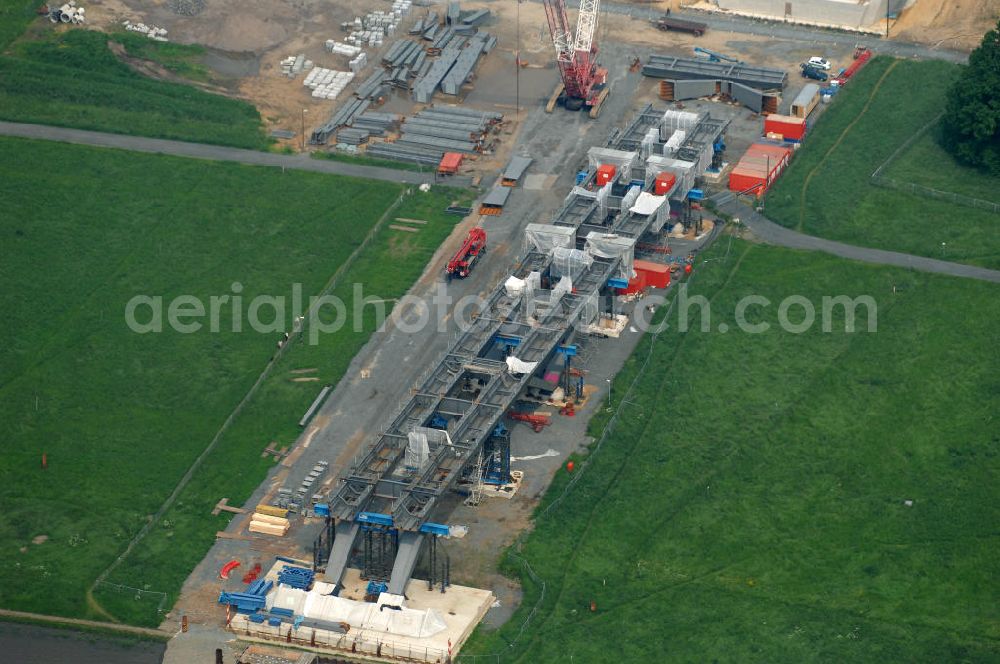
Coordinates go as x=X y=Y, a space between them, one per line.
x=269 y=520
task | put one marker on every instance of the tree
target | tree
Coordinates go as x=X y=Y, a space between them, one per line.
x=971 y=126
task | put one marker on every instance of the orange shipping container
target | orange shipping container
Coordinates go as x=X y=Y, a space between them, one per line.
x=792 y=128
x=758 y=168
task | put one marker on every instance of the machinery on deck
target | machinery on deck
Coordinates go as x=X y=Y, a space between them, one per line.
x=584 y=84
x=473 y=247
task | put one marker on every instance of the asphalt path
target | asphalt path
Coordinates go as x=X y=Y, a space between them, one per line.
x=220 y=153
x=773 y=233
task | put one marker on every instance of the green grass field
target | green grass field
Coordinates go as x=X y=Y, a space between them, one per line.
x=71 y=78
x=122 y=415
x=749 y=504
x=827 y=191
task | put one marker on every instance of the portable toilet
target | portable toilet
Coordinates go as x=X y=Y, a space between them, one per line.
x=664 y=182
x=605 y=174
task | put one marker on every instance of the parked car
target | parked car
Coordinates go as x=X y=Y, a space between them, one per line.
x=815 y=73
x=819 y=63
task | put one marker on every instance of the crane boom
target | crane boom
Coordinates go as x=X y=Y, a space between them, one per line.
x=586 y=24
x=562 y=38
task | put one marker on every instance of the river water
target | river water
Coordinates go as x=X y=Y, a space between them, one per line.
x=32 y=644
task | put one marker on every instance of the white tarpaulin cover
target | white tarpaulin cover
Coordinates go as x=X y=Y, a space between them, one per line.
x=569 y=262
x=675 y=141
x=514 y=286
x=417 y=450
x=622 y=160
x=647 y=203
x=613 y=246
x=516 y=366
x=649 y=141
x=685 y=172
x=420 y=441
x=630 y=197
x=564 y=286
x=545 y=237
x=371 y=616
x=674 y=120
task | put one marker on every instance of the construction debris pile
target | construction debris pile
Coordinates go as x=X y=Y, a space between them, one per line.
x=430 y=133
x=187 y=7
x=68 y=13
x=151 y=31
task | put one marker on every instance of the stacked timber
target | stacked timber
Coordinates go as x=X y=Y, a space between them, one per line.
x=269 y=520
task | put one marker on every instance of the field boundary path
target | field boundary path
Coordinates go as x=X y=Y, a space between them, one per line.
x=773 y=233
x=148 y=632
x=219 y=153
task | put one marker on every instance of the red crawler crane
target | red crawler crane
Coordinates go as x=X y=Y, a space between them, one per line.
x=584 y=84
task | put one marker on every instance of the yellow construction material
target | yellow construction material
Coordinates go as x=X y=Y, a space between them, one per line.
x=271 y=510
x=267 y=528
x=266 y=518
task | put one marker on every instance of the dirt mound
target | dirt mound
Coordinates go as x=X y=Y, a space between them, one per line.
x=958 y=24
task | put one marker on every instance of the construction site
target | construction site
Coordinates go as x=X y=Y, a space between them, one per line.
x=378 y=533
x=594 y=137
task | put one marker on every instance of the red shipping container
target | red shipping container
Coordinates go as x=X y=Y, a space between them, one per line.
x=758 y=168
x=647 y=275
x=792 y=128
x=605 y=174
x=664 y=181
x=450 y=162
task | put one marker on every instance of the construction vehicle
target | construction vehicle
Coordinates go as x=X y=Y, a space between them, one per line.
x=584 y=84
x=715 y=56
x=668 y=23
x=861 y=56
x=465 y=258
x=815 y=73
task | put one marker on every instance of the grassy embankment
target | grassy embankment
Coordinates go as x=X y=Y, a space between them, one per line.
x=121 y=415
x=827 y=189
x=68 y=76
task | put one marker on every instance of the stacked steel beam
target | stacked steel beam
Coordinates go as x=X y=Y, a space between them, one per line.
x=369 y=89
x=424 y=87
x=466 y=63
x=353 y=136
x=432 y=132
x=377 y=124
x=342 y=117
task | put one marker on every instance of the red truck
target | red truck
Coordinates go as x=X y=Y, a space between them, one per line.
x=461 y=263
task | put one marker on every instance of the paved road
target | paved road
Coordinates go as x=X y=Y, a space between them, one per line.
x=217 y=153
x=790 y=32
x=773 y=233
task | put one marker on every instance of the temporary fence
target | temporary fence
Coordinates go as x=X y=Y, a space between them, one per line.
x=920 y=190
